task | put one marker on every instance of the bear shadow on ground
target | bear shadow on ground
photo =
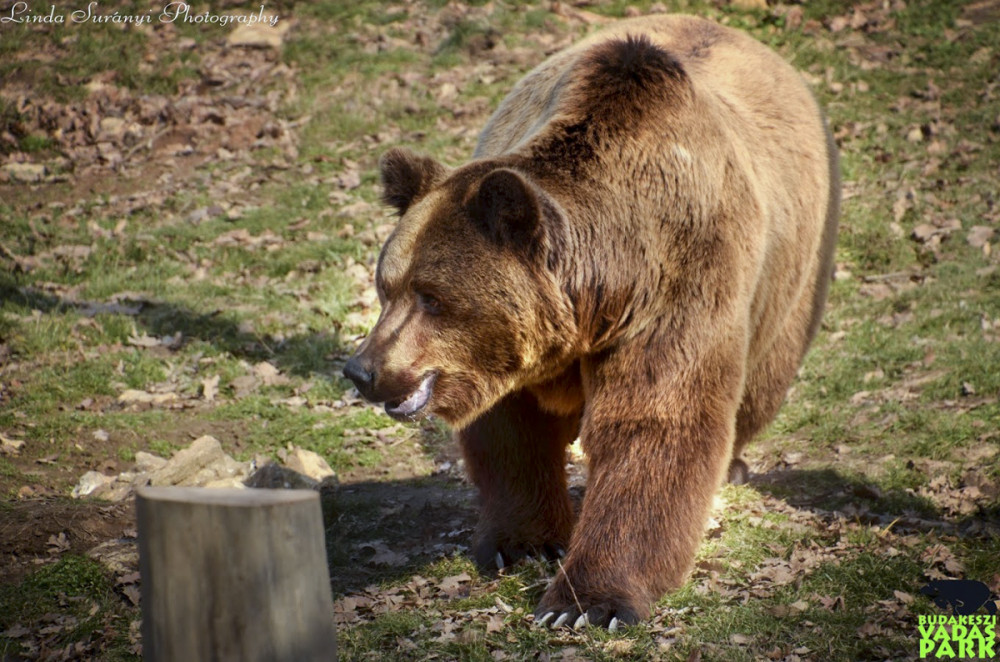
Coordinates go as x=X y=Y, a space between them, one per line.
x=389 y=530
x=384 y=531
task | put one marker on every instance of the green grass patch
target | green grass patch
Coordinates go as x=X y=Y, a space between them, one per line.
x=274 y=426
x=83 y=52
x=7 y=469
x=75 y=598
x=381 y=637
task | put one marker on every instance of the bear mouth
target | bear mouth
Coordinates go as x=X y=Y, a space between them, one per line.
x=411 y=406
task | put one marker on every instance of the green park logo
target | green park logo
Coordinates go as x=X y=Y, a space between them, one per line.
x=963 y=634
x=950 y=637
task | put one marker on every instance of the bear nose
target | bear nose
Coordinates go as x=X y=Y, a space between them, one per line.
x=357 y=373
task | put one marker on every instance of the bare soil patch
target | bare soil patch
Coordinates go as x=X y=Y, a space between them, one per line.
x=36 y=531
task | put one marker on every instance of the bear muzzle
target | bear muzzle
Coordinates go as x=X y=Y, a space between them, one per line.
x=405 y=406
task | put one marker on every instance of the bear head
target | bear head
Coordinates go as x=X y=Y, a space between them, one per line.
x=472 y=305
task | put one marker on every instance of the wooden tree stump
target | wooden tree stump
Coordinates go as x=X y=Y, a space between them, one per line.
x=231 y=574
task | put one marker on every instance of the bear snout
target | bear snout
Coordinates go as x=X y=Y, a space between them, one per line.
x=405 y=396
x=362 y=376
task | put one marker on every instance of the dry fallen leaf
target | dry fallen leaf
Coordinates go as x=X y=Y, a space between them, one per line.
x=494 y=623
x=451 y=584
x=16 y=631
x=58 y=544
x=144 y=341
x=869 y=630
x=799 y=606
x=979 y=235
x=385 y=556
x=130 y=578
x=838 y=23
x=269 y=375
x=832 y=604
x=924 y=232
x=132 y=592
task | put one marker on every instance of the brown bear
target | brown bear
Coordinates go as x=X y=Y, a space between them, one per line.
x=639 y=255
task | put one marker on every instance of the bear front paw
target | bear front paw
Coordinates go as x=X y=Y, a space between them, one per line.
x=579 y=609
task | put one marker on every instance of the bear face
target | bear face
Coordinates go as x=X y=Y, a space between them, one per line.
x=471 y=309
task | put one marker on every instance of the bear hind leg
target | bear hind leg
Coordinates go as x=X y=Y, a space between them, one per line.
x=763 y=396
x=764 y=392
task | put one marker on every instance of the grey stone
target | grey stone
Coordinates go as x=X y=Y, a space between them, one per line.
x=225 y=483
x=90 y=482
x=28 y=173
x=308 y=463
x=274 y=476
x=258 y=36
x=113 y=127
x=188 y=462
x=147 y=462
x=117 y=490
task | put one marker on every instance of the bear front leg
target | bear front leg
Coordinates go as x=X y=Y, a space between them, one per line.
x=658 y=440
x=516 y=455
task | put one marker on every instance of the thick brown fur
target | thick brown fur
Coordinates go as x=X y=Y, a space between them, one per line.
x=639 y=254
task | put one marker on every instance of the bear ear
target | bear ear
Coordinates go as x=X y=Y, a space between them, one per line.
x=506 y=209
x=406 y=177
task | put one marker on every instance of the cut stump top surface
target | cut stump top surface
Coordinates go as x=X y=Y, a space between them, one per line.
x=226 y=496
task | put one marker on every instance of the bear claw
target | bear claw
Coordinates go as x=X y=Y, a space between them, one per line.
x=605 y=616
x=503 y=558
x=565 y=618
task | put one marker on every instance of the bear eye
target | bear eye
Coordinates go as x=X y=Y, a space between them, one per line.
x=430 y=304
